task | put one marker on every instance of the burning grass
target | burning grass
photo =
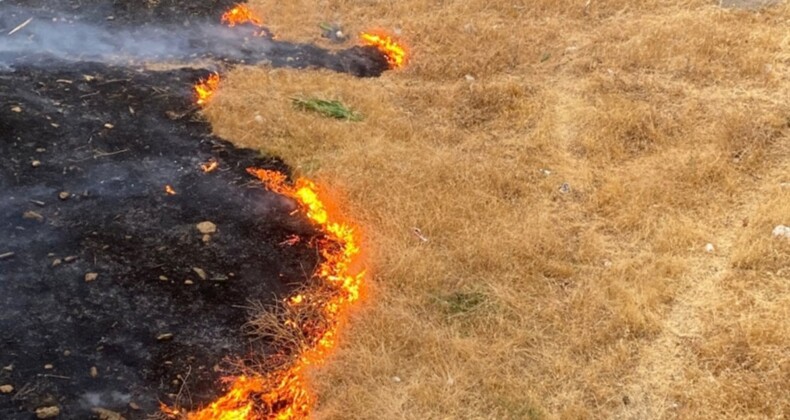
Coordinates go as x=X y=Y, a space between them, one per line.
x=566 y=180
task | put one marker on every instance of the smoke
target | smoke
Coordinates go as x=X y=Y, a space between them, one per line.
x=70 y=39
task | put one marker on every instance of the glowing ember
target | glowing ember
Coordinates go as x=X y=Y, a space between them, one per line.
x=284 y=393
x=169 y=190
x=239 y=15
x=209 y=166
x=392 y=49
x=205 y=89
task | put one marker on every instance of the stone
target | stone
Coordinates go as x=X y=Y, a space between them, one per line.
x=206 y=228
x=47 y=412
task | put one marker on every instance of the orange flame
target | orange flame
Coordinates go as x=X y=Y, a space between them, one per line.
x=285 y=393
x=169 y=190
x=205 y=89
x=239 y=15
x=209 y=166
x=392 y=49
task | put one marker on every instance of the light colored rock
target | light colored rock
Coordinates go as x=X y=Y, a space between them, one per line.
x=709 y=248
x=105 y=414
x=781 y=231
x=6 y=389
x=91 y=277
x=206 y=227
x=200 y=272
x=47 y=412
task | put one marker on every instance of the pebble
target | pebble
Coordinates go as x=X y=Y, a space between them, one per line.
x=70 y=258
x=6 y=389
x=709 y=248
x=565 y=188
x=31 y=215
x=35 y=163
x=206 y=227
x=109 y=126
x=94 y=372
x=64 y=195
x=49 y=366
x=105 y=414
x=9 y=368
x=91 y=277
x=163 y=278
x=16 y=109
x=200 y=272
x=56 y=262
x=47 y=412
x=781 y=231
x=134 y=406
x=164 y=337
x=189 y=282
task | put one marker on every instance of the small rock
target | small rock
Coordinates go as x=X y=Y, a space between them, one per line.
x=189 y=282
x=206 y=239
x=6 y=389
x=70 y=258
x=47 y=412
x=94 y=372
x=40 y=150
x=395 y=379
x=35 y=163
x=9 y=368
x=565 y=188
x=134 y=406
x=91 y=277
x=105 y=414
x=164 y=337
x=31 y=215
x=709 y=248
x=49 y=366
x=545 y=172
x=206 y=228
x=163 y=278
x=781 y=231
x=67 y=353
x=6 y=255
x=16 y=109
x=64 y=195
x=200 y=272
x=469 y=78
x=56 y=262
x=109 y=126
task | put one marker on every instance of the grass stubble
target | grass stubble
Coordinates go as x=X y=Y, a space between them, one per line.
x=668 y=123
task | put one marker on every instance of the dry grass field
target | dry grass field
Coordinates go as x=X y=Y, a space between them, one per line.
x=668 y=121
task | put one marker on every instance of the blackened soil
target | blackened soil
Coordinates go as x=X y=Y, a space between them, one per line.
x=85 y=155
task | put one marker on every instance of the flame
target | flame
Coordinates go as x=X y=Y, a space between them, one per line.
x=205 y=88
x=284 y=394
x=239 y=15
x=169 y=190
x=209 y=166
x=392 y=49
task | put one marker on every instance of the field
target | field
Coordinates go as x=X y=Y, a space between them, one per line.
x=594 y=186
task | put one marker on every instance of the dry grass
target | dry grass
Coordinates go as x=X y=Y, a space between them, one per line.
x=667 y=119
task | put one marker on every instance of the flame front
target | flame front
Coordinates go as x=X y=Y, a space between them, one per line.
x=205 y=89
x=239 y=15
x=284 y=394
x=392 y=49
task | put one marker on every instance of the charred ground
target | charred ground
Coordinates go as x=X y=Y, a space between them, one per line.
x=111 y=297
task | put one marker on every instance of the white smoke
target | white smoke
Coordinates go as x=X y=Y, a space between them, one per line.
x=70 y=39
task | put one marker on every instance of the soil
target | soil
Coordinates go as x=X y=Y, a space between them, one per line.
x=111 y=297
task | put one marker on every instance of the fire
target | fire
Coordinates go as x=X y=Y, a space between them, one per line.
x=209 y=166
x=391 y=48
x=169 y=190
x=205 y=88
x=239 y=15
x=285 y=393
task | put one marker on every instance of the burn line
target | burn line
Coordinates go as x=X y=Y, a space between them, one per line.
x=285 y=392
